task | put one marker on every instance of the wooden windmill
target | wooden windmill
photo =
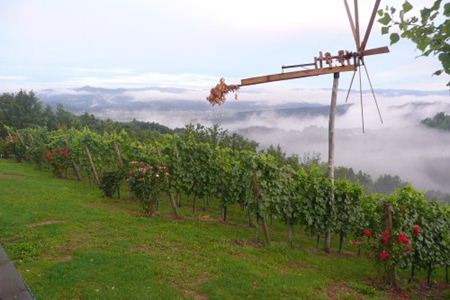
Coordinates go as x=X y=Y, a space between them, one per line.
x=344 y=61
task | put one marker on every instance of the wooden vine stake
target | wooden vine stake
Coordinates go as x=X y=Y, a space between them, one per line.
x=94 y=169
x=290 y=233
x=118 y=155
x=172 y=201
x=391 y=278
x=259 y=218
x=76 y=168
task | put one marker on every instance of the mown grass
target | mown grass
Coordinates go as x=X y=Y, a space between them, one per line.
x=71 y=243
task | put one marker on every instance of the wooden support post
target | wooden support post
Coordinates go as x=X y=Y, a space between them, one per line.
x=118 y=156
x=331 y=125
x=173 y=204
x=341 y=240
x=290 y=233
x=391 y=278
x=178 y=200
x=76 y=168
x=259 y=218
x=224 y=213
x=94 y=169
x=265 y=231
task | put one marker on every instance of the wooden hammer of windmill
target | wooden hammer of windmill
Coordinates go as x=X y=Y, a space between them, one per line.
x=344 y=61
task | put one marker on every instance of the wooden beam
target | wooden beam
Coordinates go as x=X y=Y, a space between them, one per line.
x=296 y=74
x=352 y=24
x=358 y=38
x=369 y=26
x=375 y=51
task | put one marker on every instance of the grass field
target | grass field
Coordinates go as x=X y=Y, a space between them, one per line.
x=69 y=242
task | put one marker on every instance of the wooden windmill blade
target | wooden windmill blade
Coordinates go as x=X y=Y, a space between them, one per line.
x=352 y=24
x=358 y=68
x=362 y=49
x=370 y=25
x=358 y=38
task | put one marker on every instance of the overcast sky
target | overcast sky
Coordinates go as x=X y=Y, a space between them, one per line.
x=188 y=43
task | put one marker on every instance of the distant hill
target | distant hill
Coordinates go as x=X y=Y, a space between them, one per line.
x=100 y=100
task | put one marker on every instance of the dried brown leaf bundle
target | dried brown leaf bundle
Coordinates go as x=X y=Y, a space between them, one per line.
x=218 y=93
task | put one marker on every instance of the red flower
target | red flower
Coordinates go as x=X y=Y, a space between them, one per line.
x=64 y=152
x=384 y=255
x=407 y=249
x=367 y=233
x=385 y=237
x=416 y=230
x=403 y=239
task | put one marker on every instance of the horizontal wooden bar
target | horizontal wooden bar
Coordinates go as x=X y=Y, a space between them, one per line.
x=296 y=74
x=375 y=51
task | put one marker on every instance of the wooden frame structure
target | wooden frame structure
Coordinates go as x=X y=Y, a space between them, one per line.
x=351 y=62
x=344 y=61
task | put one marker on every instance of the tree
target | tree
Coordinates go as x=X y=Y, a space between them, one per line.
x=430 y=30
x=386 y=184
x=440 y=120
x=21 y=110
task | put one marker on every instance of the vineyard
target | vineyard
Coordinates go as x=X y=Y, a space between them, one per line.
x=203 y=168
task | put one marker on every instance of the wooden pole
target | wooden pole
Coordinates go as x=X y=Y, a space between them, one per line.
x=173 y=204
x=331 y=123
x=389 y=226
x=358 y=39
x=290 y=233
x=94 y=169
x=118 y=156
x=259 y=218
x=76 y=168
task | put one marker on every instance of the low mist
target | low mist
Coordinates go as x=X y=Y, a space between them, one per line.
x=400 y=146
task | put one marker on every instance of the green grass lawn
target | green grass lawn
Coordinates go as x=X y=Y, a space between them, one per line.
x=69 y=242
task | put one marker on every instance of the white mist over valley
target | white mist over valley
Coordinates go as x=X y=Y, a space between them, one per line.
x=298 y=123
